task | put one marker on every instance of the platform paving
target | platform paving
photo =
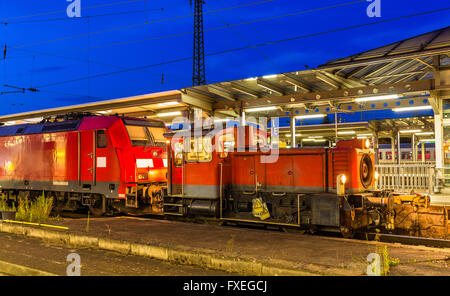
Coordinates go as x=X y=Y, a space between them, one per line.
x=315 y=255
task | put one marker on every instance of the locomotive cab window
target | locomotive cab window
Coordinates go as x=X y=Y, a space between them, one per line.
x=200 y=150
x=178 y=154
x=102 y=139
x=225 y=142
x=146 y=135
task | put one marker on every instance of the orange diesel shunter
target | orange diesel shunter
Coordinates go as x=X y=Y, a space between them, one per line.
x=322 y=188
x=85 y=161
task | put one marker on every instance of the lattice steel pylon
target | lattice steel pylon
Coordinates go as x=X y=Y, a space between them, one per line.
x=198 y=74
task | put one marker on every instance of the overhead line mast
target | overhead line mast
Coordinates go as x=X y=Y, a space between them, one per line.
x=198 y=74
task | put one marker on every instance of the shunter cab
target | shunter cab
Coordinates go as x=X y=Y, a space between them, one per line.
x=86 y=161
x=200 y=168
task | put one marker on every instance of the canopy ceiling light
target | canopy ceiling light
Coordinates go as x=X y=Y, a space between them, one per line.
x=105 y=111
x=222 y=120
x=168 y=104
x=347 y=133
x=261 y=109
x=424 y=133
x=410 y=131
x=167 y=114
x=377 y=98
x=310 y=116
x=404 y=109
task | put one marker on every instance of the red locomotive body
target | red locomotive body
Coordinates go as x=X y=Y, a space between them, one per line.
x=305 y=170
x=304 y=187
x=93 y=161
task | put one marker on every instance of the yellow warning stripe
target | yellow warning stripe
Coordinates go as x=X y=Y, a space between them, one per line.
x=36 y=224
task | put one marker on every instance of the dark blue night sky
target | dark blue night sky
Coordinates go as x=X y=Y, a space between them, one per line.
x=39 y=54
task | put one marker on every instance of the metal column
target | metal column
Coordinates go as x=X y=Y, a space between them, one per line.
x=399 y=152
x=293 y=143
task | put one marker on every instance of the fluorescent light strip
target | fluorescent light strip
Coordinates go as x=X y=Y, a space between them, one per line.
x=314 y=140
x=410 y=131
x=168 y=114
x=261 y=109
x=310 y=116
x=428 y=140
x=377 y=98
x=346 y=133
x=404 y=109
x=424 y=133
x=168 y=104
x=222 y=120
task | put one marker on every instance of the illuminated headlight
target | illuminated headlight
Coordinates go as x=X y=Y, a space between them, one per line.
x=141 y=176
x=367 y=144
x=343 y=179
x=155 y=154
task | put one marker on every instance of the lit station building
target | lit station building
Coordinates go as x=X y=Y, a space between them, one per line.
x=397 y=96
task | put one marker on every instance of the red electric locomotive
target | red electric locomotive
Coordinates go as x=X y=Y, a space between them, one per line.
x=312 y=188
x=100 y=162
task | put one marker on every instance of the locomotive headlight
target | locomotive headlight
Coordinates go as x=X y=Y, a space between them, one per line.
x=340 y=184
x=367 y=144
x=155 y=154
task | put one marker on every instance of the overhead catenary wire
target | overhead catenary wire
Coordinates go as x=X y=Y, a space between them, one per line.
x=63 y=11
x=84 y=17
x=247 y=47
x=132 y=26
x=226 y=26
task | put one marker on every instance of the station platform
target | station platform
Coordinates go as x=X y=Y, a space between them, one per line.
x=305 y=253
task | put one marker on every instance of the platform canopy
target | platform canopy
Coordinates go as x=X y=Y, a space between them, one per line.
x=405 y=68
x=417 y=68
x=152 y=105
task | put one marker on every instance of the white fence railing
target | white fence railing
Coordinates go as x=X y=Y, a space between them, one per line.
x=406 y=177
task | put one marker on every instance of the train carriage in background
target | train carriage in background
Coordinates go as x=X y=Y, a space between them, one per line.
x=99 y=162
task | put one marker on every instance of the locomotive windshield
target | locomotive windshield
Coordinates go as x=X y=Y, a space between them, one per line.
x=146 y=135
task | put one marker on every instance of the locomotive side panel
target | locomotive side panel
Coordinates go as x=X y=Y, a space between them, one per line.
x=38 y=161
x=294 y=171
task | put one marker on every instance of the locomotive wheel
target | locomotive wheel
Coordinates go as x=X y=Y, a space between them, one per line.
x=347 y=233
x=98 y=209
x=96 y=212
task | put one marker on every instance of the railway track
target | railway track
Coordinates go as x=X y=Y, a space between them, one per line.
x=381 y=237
x=409 y=240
